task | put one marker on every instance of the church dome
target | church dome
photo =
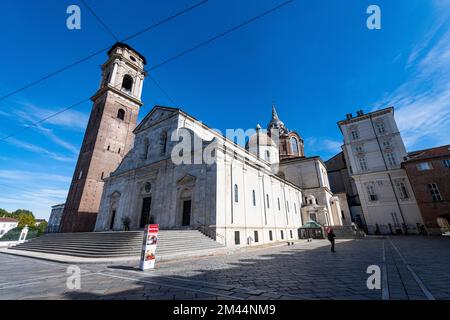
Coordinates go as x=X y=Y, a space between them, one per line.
x=262 y=138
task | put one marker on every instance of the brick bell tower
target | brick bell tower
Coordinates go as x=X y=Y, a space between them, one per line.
x=108 y=137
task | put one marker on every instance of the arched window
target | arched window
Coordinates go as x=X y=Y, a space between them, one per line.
x=267 y=155
x=127 y=83
x=121 y=114
x=294 y=145
x=236 y=193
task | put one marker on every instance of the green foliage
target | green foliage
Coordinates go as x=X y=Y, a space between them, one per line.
x=14 y=234
x=25 y=217
x=41 y=227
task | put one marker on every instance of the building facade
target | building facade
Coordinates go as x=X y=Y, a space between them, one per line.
x=7 y=224
x=54 y=221
x=342 y=183
x=374 y=150
x=128 y=176
x=240 y=196
x=429 y=173
x=108 y=137
x=236 y=197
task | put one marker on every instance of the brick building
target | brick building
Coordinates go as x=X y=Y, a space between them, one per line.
x=429 y=174
x=108 y=137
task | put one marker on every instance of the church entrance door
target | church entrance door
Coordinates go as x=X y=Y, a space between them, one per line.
x=186 y=213
x=113 y=217
x=145 y=213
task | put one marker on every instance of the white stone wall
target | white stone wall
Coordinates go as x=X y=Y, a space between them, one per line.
x=212 y=187
x=6 y=226
x=389 y=208
x=263 y=215
x=347 y=220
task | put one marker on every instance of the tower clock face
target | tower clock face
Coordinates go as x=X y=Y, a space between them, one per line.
x=147 y=187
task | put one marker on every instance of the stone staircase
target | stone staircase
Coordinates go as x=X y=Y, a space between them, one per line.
x=121 y=244
x=346 y=232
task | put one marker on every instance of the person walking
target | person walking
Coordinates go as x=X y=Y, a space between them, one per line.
x=331 y=236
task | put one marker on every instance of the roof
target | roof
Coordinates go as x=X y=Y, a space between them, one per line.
x=366 y=116
x=7 y=219
x=124 y=45
x=436 y=152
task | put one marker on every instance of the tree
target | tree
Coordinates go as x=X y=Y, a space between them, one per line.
x=25 y=217
x=41 y=227
x=4 y=213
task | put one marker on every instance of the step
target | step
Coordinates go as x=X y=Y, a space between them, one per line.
x=102 y=253
x=119 y=244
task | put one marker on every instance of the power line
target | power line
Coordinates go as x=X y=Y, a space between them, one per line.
x=160 y=64
x=34 y=124
x=160 y=88
x=101 y=51
x=164 y=92
x=220 y=35
x=99 y=20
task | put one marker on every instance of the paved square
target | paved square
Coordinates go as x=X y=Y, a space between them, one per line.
x=412 y=268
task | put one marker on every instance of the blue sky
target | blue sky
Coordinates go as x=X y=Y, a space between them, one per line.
x=315 y=59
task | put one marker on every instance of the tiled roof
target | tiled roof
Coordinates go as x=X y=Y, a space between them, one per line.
x=5 y=219
x=429 y=153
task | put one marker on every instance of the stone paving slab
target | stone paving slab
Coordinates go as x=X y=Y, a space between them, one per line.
x=303 y=271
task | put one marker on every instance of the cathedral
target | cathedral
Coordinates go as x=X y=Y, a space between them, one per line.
x=129 y=174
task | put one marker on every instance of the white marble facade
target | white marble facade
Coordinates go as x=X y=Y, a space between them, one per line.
x=238 y=198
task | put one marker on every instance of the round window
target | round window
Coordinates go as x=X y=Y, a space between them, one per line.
x=133 y=58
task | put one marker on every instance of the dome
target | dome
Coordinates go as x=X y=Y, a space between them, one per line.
x=262 y=138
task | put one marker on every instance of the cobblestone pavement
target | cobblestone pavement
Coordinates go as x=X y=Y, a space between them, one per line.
x=412 y=268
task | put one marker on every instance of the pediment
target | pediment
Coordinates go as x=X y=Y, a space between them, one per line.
x=157 y=114
x=186 y=180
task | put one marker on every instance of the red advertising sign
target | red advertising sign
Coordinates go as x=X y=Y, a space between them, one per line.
x=148 y=255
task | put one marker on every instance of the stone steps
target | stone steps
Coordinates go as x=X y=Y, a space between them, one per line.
x=119 y=244
x=346 y=232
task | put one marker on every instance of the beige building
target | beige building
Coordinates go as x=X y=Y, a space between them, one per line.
x=374 y=151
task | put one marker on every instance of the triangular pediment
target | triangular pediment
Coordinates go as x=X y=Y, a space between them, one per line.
x=187 y=179
x=156 y=115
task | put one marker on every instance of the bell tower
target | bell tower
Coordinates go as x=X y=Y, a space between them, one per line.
x=108 y=137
